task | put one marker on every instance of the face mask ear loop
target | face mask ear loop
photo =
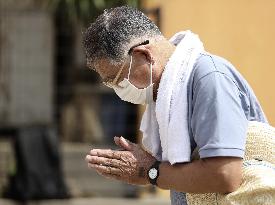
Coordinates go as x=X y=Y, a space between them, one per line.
x=151 y=74
x=131 y=59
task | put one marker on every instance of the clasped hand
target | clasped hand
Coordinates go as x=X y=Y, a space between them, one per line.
x=129 y=165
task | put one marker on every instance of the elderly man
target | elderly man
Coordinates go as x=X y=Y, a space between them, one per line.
x=194 y=101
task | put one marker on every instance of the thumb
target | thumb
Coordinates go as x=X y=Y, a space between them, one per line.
x=123 y=143
x=116 y=139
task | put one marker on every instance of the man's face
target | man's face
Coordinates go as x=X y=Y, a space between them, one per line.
x=139 y=73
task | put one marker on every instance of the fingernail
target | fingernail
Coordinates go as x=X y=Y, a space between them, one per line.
x=93 y=152
x=88 y=157
x=92 y=165
x=123 y=139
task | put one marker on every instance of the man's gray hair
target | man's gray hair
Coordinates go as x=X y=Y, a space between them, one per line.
x=114 y=32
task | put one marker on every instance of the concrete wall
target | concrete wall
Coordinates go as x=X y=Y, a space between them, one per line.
x=241 y=31
x=26 y=67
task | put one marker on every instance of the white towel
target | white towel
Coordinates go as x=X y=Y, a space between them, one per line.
x=165 y=123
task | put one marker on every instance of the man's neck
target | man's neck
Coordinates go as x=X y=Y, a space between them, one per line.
x=165 y=50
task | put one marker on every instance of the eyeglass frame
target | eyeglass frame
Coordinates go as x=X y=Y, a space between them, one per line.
x=114 y=82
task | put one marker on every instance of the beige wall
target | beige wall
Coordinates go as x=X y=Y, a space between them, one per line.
x=242 y=31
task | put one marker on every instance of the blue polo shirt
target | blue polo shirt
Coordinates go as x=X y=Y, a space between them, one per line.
x=220 y=104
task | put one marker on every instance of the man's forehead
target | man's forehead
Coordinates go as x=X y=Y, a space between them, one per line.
x=103 y=67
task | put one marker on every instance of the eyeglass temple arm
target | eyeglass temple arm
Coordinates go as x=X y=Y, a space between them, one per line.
x=140 y=44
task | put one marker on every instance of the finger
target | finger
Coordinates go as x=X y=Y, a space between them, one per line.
x=110 y=176
x=88 y=158
x=118 y=143
x=116 y=139
x=107 y=153
x=126 y=144
x=105 y=161
x=105 y=169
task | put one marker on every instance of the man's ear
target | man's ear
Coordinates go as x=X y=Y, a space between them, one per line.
x=145 y=51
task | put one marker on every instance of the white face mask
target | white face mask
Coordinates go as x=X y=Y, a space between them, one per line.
x=130 y=93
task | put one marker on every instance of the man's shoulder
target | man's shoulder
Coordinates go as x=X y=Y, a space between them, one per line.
x=208 y=63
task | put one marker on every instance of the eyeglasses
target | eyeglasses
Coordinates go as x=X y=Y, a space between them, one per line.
x=111 y=83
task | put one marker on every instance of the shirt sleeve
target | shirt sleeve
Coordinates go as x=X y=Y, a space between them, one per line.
x=218 y=122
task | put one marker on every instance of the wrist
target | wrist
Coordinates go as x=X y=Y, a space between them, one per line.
x=162 y=179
